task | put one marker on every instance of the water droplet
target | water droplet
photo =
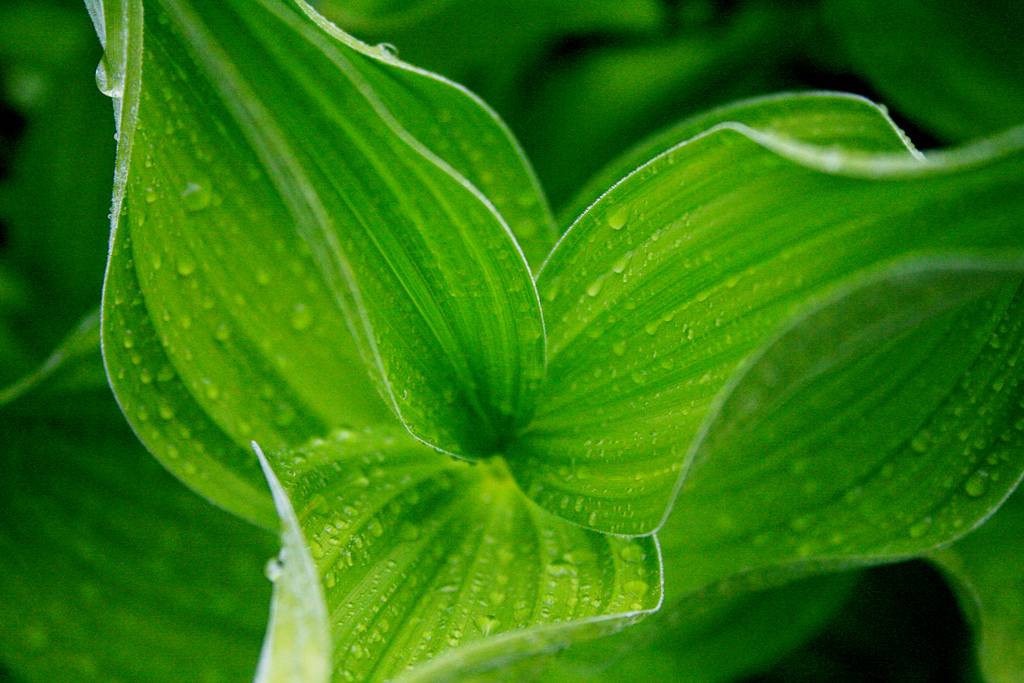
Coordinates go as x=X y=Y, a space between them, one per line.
x=387 y=50
x=632 y=553
x=486 y=623
x=186 y=266
x=636 y=588
x=618 y=219
x=560 y=569
x=222 y=333
x=196 y=196
x=375 y=528
x=109 y=79
x=301 y=317
x=409 y=532
x=800 y=523
x=619 y=348
x=595 y=287
x=918 y=530
x=273 y=568
x=976 y=484
x=920 y=443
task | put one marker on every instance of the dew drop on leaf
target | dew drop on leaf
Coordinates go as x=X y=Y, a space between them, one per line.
x=273 y=568
x=486 y=624
x=301 y=317
x=186 y=266
x=196 y=196
x=976 y=484
x=636 y=588
x=918 y=530
x=617 y=220
x=108 y=80
x=632 y=553
x=375 y=528
x=919 y=443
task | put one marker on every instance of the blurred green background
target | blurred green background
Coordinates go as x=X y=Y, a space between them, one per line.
x=578 y=82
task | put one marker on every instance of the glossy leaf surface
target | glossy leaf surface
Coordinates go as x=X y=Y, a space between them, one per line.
x=868 y=432
x=662 y=288
x=818 y=118
x=434 y=568
x=880 y=426
x=253 y=237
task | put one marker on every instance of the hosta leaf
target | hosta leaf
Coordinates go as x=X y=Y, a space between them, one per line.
x=875 y=428
x=466 y=133
x=711 y=636
x=867 y=432
x=958 y=73
x=298 y=642
x=110 y=570
x=986 y=568
x=275 y=200
x=661 y=289
x=818 y=118
x=444 y=567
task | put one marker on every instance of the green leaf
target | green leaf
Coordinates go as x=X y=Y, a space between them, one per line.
x=264 y=218
x=959 y=73
x=466 y=133
x=880 y=425
x=817 y=118
x=297 y=646
x=857 y=436
x=715 y=635
x=662 y=288
x=434 y=568
x=985 y=567
x=111 y=570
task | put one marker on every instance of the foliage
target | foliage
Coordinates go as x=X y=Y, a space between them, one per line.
x=651 y=434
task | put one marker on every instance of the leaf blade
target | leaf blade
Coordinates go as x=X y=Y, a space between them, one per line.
x=433 y=568
x=817 y=118
x=672 y=304
x=226 y=312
